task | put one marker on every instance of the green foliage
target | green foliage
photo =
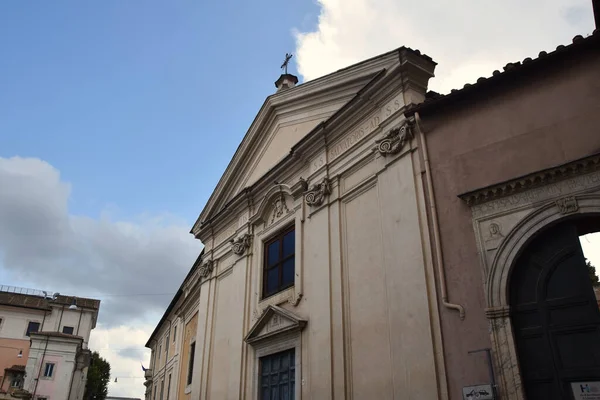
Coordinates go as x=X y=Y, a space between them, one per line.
x=592 y=272
x=96 y=387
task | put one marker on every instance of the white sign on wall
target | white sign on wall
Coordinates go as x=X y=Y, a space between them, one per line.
x=479 y=392
x=586 y=390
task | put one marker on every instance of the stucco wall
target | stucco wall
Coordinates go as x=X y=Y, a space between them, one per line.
x=189 y=335
x=361 y=270
x=544 y=119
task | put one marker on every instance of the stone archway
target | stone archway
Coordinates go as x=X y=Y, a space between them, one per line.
x=506 y=217
x=498 y=282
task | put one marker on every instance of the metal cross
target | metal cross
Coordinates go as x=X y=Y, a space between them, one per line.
x=284 y=66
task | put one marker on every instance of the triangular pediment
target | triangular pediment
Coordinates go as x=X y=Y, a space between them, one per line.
x=274 y=321
x=284 y=120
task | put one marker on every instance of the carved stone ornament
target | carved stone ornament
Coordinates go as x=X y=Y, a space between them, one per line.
x=393 y=142
x=279 y=207
x=567 y=205
x=240 y=244
x=206 y=268
x=317 y=193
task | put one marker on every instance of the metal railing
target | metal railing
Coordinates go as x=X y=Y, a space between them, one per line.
x=20 y=290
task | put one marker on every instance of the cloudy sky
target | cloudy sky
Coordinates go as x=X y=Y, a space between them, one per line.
x=117 y=118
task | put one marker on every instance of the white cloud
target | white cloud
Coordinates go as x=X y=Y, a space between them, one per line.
x=111 y=343
x=467 y=38
x=42 y=244
x=45 y=247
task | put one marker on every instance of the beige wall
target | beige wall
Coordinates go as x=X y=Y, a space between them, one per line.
x=542 y=120
x=363 y=282
x=189 y=335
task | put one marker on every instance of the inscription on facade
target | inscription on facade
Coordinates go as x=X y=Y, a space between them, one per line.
x=367 y=127
x=538 y=194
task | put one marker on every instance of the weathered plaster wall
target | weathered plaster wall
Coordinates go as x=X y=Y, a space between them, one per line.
x=536 y=122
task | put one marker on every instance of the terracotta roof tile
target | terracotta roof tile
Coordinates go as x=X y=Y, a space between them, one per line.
x=508 y=69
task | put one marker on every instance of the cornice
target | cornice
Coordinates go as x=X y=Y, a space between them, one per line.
x=315 y=90
x=382 y=82
x=531 y=181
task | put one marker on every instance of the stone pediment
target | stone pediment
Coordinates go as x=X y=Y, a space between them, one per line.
x=274 y=321
x=285 y=119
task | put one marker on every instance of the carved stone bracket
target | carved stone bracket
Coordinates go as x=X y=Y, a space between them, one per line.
x=299 y=188
x=567 y=205
x=242 y=243
x=316 y=194
x=207 y=268
x=295 y=299
x=393 y=142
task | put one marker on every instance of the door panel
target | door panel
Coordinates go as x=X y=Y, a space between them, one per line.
x=555 y=315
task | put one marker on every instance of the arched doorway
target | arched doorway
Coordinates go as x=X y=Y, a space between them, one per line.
x=554 y=312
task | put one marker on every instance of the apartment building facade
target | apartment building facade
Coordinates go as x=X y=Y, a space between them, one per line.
x=43 y=343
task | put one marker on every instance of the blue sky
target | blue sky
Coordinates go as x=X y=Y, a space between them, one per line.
x=140 y=105
x=118 y=117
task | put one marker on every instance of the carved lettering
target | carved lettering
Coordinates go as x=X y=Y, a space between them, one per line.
x=317 y=163
x=243 y=220
x=542 y=193
x=369 y=126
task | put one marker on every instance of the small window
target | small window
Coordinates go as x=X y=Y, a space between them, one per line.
x=42 y=398
x=167 y=348
x=49 y=370
x=174 y=333
x=190 y=374
x=15 y=383
x=159 y=354
x=32 y=328
x=169 y=387
x=278 y=376
x=68 y=330
x=279 y=264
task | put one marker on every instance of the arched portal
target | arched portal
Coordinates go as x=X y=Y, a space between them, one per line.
x=554 y=311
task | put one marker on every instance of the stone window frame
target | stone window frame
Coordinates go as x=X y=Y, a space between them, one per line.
x=277 y=236
x=51 y=377
x=189 y=374
x=27 y=327
x=274 y=345
x=71 y=327
x=293 y=293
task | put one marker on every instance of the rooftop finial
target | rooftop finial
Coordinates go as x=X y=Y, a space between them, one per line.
x=288 y=57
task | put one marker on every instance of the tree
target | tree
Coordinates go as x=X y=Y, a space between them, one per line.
x=98 y=376
x=592 y=272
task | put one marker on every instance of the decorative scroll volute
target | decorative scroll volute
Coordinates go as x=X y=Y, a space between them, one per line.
x=317 y=193
x=393 y=142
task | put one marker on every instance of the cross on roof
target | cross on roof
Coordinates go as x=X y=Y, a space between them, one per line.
x=284 y=66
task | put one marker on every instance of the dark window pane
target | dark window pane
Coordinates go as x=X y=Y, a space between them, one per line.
x=273 y=253
x=32 y=327
x=289 y=243
x=68 y=330
x=272 y=280
x=275 y=393
x=288 y=272
x=265 y=394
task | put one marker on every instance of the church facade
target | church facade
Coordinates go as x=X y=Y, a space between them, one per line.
x=316 y=279
x=370 y=239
